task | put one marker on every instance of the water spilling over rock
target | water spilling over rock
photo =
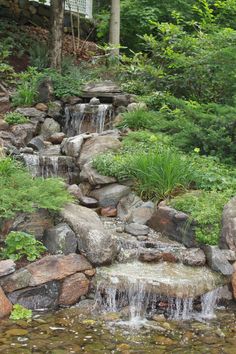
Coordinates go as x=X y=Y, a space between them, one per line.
x=85 y=117
x=167 y=288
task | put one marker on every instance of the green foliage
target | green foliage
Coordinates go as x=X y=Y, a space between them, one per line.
x=19 y=192
x=39 y=56
x=206 y=209
x=20 y=244
x=20 y=313
x=27 y=87
x=15 y=118
x=158 y=171
x=139 y=119
x=7 y=72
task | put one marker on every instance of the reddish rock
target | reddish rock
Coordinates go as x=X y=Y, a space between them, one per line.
x=151 y=256
x=169 y=257
x=5 y=305
x=90 y=272
x=57 y=138
x=234 y=284
x=56 y=267
x=73 y=288
x=109 y=211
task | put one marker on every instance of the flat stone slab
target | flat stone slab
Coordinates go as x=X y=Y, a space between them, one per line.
x=166 y=279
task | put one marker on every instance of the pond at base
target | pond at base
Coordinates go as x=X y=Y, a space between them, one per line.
x=74 y=331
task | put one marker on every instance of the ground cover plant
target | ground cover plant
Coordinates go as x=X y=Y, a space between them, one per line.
x=15 y=118
x=20 y=244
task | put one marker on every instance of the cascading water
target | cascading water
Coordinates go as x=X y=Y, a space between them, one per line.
x=158 y=288
x=85 y=117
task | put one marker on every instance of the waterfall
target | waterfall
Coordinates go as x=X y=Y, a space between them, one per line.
x=147 y=289
x=84 y=117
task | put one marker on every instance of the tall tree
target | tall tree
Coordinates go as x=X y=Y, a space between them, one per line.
x=114 y=36
x=57 y=28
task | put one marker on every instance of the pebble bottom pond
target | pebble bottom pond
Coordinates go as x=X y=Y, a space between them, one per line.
x=72 y=331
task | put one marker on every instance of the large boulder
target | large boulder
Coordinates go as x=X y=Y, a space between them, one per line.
x=23 y=133
x=173 y=224
x=60 y=239
x=50 y=127
x=126 y=206
x=91 y=175
x=98 y=145
x=228 y=234
x=109 y=196
x=72 y=146
x=217 y=260
x=32 y=113
x=73 y=288
x=44 y=296
x=5 y=305
x=33 y=223
x=47 y=269
x=93 y=240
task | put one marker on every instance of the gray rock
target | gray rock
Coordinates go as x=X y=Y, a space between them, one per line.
x=142 y=214
x=98 y=145
x=137 y=106
x=45 y=90
x=36 y=143
x=133 y=210
x=137 y=229
x=27 y=150
x=90 y=174
x=193 y=257
x=60 y=240
x=94 y=101
x=93 y=240
x=174 y=224
x=121 y=100
x=55 y=109
x=228 y=233
x=32 y=113
x=88 y=202
x=50 y=127
x=72 y=146
x=37 y=298
x=75 y=191
x=217 y=260
x=23 y=133
x=101 y=89
x=109 y=196
x=7 y=267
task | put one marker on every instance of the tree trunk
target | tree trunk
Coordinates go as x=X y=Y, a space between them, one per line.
x=114 y=37
x=57 y=28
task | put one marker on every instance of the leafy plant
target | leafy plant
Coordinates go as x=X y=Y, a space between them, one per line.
x=19 y=192
x=206 y=209
x=139 y=119
x=15 y=118
x=19 y=244
x=39 y=55
x=20 y=313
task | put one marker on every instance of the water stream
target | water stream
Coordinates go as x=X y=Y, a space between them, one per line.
x=85 y=117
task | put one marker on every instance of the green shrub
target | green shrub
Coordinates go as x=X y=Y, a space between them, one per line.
x=19 y=192
x=20 y=313
x=139 y=119
x=15 y=118
x=206 y=209
x=20 y=244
